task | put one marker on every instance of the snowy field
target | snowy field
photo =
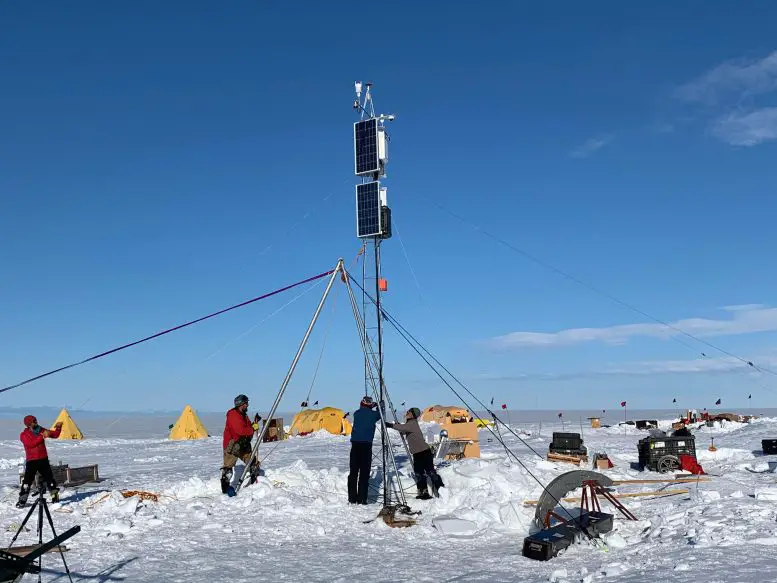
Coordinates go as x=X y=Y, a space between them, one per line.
x=295 y=523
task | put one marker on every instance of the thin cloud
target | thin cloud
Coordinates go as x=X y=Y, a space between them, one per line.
x=745 y=319
x=728 y=93
x=747 y=129
x=735 y=78
x=723 y=365
x=663 y=128
x=591 y=145
x=700 y=365
x=742 y=307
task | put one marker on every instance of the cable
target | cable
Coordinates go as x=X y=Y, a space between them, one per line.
x=507 y=449
x=391 y=321
x=404 y=251
x=163 y=332
x=323 y=346
x=607 y=295
x=396 y=325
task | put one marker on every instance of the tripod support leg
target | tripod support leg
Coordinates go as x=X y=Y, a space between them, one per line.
x=26 y=519
x=54 y=532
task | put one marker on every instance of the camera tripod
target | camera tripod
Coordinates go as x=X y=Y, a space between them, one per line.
x=40 y=503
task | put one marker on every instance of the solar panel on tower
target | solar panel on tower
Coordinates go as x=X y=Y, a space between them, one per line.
x=365 y=135
x=368 y=215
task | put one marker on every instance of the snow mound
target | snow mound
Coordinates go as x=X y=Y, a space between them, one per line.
x=153 y=459
x=723 y=454
x=10 y=463
x=769 y=494
x=452 y=526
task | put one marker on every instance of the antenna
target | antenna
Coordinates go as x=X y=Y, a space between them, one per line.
x=373 y=226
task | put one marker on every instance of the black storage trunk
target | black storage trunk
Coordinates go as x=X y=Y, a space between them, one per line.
x=546 y=544
x=646 y=424
x=566 y=441
x=662 y=454
x=567 y=444
x=769 y=446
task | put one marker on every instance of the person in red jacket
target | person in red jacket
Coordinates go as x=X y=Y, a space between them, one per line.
x=37 y=458
x=238 y=432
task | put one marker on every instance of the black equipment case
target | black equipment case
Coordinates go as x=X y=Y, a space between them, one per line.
x=662 y=454
x=769 y=446
x=548 y=543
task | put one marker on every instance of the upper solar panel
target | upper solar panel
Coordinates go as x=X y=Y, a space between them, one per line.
x=365 y=135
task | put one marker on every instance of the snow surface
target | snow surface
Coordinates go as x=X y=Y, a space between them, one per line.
x=295 y=523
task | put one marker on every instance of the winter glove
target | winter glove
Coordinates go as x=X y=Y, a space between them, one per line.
x=255 y=426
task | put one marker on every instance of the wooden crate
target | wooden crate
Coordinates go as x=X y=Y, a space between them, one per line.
x=64 y=475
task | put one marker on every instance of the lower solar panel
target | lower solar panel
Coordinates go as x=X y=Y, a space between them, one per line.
x=368 y=215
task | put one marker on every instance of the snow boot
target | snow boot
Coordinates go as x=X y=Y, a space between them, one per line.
x=226 y=480
x=23 y=494
x=253 y=472
x=231 y=492
x=423 y=495
x=436 y=481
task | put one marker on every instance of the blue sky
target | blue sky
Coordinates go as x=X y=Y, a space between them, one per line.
x=159 y=163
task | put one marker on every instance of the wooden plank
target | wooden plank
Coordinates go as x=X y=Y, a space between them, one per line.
x=24 y=550
x=668 y=480
x=630 y=495
x=572 y=459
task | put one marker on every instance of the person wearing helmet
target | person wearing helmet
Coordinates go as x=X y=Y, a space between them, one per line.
x=238 y=432
x=37 y=458
x=423 y=461
x=362 y=434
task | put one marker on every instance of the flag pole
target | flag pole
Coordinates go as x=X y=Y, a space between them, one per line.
x=625 y=415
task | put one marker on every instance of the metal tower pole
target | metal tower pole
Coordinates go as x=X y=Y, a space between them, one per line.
x=384 y=442
x=373 y=223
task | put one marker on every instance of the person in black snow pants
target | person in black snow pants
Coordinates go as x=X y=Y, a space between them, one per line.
x=362 y=434
x=423 y=461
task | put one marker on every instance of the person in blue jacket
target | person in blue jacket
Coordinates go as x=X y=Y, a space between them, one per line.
x=362 y=434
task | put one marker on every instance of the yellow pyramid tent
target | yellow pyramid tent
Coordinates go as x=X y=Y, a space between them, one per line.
x=69 y=428
x=188 y=426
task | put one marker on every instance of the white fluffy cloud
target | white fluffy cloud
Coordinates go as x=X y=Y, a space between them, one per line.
x=745 y=319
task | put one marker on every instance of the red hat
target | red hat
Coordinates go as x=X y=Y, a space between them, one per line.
x=30 y=420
